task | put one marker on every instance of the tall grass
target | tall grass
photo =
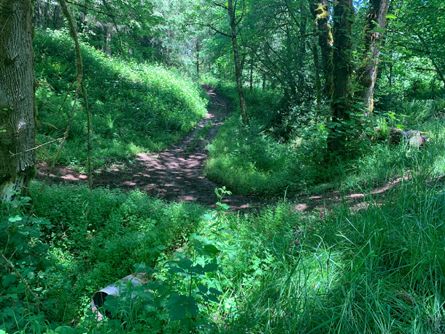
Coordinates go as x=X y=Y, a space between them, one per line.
x=380 y=270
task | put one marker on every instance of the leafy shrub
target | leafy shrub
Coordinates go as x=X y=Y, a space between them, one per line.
x=249 y=160
x=24 y=268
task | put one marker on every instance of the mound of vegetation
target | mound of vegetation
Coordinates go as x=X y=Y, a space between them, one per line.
x=249 y=160
x=135 y=107
x=58 y=256
x=252 y=160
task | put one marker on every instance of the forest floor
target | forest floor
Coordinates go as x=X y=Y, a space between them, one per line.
x=177 y=174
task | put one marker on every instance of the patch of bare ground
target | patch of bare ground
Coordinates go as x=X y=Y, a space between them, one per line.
x=177 y=174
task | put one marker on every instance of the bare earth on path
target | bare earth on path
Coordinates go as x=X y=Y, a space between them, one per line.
x=174 y=174
x=177 y=174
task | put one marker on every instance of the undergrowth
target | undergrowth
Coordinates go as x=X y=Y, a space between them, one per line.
x=376 y=270
x=380 y=270
x=250 y=160
x=54 y=257
x=136 y=107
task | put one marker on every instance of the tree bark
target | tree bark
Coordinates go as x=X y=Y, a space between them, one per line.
x=237 y=60
x=341 y=75
x=320 y=10
x=301 y=57
x=317 y=77
x=376 y=22
x=198 y=59
x=17 y=124
x=251 y=73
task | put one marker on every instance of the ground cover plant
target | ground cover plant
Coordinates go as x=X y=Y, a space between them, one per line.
x=260 y=164
x=136 y=107
x=57 y=256
x=249 y=160
x=378 y=269
x=239 y=166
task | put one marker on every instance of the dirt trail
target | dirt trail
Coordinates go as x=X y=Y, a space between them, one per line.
x=175 y=174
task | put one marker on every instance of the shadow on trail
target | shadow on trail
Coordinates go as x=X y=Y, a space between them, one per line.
x=176 y=174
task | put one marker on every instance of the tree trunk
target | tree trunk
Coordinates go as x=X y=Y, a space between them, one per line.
x=376 y=21
x=341 y=75
x=198 y=60
x=17 y=124
x=263 y=84
x=321 y=43
x=57 y=18
x=317 y=78
x=237 y=59
x=301 y=57
x=81 y=87
x=251 y=74
x=321 y=12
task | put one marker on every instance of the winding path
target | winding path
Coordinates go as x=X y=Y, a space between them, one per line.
x=176 y=174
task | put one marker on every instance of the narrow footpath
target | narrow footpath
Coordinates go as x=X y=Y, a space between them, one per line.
x=175 y=174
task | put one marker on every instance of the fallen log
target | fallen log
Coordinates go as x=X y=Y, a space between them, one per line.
x=414 y=138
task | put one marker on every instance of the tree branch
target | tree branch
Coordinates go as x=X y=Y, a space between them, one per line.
x=217 y=30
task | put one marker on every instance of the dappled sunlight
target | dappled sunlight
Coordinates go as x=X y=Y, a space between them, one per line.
x=233 y=167
x=175 y=174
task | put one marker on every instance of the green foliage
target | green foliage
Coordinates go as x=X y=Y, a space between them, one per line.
x=24 y=269
x=378 y=270
x=78 y=246
x=248 y=160
x=136 y=107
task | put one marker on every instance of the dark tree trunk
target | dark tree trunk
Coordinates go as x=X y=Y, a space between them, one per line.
x=317 y=77
x=341 y=75
x=263 y=84
x=301 y=56
x=237 y=60
x=316 y=54
x=57 y=18
x=325 y=40
x=251 y=74
x=198 y=60
x=376 y=21
x=17 y=124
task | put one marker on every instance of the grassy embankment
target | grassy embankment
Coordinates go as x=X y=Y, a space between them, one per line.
x=136 y=107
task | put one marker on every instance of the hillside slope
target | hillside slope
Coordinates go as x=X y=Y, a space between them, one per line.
x=136 y=107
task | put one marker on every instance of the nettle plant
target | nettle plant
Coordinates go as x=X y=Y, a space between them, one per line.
x=24 y=265
x=179 y=293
